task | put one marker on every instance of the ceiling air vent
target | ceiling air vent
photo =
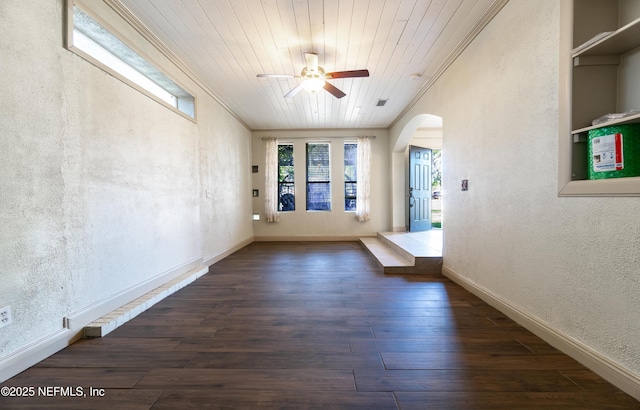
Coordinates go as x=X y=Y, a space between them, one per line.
x=381 y=103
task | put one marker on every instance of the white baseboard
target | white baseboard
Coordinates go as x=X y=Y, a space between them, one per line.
x=78 y=320
x=314 y=238
x=210 y=260
x=73 y=325
x=609 y=370
x=35 y=352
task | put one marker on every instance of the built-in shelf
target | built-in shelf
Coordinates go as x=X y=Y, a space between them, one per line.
x=603 y=75
x=603 y=187
x=617 y=42
x=631 y=119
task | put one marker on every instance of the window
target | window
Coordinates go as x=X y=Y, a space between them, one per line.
x=318 y=177
x=98 y=45
x=286 y=178
x=350 y=175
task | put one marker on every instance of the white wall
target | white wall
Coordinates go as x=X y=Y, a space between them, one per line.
x=100 y=185
x=225 y=177
x=570 y=263
x=427 y=138
x=319 y=225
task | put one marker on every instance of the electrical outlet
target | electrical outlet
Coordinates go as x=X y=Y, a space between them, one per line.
x=5 y=316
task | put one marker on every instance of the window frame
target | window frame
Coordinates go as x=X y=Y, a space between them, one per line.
x=354 y=181
x=308 y=183
x=186 y=101
x=291 y=184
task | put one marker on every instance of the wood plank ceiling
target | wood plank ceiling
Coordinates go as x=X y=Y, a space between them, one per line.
x=403 y=43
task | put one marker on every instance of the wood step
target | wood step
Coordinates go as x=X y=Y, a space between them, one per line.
x=386 y=256
x=395 y=257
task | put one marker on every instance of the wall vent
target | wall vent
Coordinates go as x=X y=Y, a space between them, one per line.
x=381 y=103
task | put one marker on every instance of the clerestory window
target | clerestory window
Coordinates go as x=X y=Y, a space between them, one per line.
x=99 y=45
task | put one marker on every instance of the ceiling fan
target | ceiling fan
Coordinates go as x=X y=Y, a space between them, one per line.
x=314 y=77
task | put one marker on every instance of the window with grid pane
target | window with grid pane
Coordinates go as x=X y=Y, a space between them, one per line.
x=318 y=177
x=350 y=176
x=286 y=178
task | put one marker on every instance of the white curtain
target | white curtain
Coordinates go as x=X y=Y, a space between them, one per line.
x=271 y=180
x=363 y=172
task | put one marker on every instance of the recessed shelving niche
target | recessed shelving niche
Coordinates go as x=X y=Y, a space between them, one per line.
x=600 y=76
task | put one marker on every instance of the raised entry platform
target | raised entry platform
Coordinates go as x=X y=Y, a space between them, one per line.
x=407 y=252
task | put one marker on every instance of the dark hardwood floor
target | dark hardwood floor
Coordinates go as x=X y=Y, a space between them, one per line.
x=316 y=325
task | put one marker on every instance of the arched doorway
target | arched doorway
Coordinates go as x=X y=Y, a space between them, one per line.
x=414 y=175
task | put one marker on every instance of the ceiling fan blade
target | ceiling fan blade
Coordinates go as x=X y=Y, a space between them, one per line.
x=275 y=76
x=294 y=91
x=312 y=61
x=348 y=74
x=333 y=90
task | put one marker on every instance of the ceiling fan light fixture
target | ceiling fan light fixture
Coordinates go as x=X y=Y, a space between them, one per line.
x=314 y=78
x=313 y=84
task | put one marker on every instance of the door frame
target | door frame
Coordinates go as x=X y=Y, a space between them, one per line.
x=419 y=188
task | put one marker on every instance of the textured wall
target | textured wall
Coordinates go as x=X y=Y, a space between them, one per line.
x=574 y=263
x=337 y=222
x=225 y=172
x=100 y=185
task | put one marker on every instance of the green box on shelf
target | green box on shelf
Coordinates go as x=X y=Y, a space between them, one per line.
x=614 y=152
